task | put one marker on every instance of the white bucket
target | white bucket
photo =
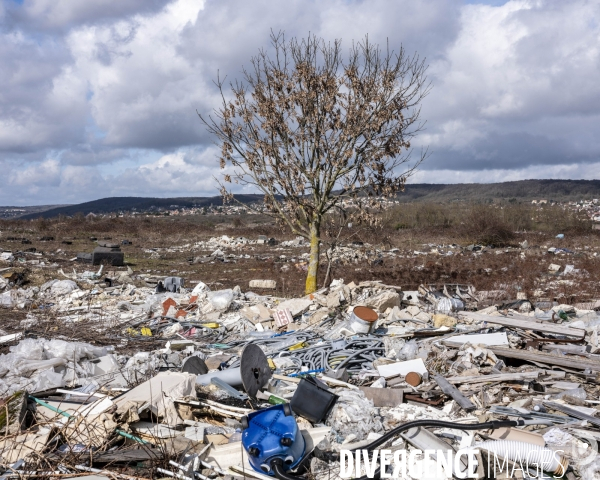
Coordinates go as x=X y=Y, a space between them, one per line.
x=363 y=319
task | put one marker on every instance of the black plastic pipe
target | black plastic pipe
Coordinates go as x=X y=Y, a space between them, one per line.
x=280 y=473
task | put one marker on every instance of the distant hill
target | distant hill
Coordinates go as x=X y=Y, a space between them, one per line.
x=141 y=204
x=16 y=212
x=520 y=191
x=523 y=190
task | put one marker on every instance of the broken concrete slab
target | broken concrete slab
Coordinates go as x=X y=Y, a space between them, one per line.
x=256 y=313
x=296 y=306
x=382 y=301
x=263 y=284
x=24 y=445
x=383 y=397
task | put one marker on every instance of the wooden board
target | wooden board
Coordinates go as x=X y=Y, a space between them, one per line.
x=527 y=323
x=501 y=377
x=453 y=392
x=539 y=357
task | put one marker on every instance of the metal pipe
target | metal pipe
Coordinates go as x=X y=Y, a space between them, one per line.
x=183 y=467
x=173 y=474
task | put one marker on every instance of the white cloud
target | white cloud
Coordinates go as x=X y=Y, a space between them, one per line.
x=88 y=90
x=143 y=93
x=65 y=14
x=187 y=172
x=518 y=87
x=497 y=175
x=31 y=180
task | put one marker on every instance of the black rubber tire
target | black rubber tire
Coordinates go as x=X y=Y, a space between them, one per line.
x=244 y=422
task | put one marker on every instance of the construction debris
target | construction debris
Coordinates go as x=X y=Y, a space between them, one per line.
x=200 y=383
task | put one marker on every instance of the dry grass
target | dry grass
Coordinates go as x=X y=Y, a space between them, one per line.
x=429 y=229
x=423 y=226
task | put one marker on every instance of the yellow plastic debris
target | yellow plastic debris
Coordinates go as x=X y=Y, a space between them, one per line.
x=146 y=332
x=211 y=325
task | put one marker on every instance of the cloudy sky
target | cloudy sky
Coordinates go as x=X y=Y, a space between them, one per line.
x=98 y=98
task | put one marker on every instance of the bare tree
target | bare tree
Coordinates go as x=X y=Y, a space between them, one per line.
x=316 y=132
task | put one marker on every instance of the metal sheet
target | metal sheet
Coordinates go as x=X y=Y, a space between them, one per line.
x=383 y=397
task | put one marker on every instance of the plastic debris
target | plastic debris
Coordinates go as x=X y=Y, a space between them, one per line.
x=353 y=363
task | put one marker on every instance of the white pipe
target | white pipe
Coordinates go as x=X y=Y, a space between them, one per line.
x=173 y=474
x=220 y=409
x=231 y=376
x=527 y=454
x=105 y=472
x=226 y=413
x=214 y=404
x=80 y=394
x=227 y=407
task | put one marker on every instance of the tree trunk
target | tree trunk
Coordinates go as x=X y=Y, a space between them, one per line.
x=313 y=263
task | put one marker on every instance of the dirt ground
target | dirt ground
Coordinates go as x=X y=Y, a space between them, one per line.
x=165 y=246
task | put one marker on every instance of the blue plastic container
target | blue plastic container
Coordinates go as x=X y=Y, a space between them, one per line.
x=272 y=433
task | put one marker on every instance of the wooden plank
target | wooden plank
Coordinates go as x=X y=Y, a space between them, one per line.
x=118 y=456
x=453 y=392
x=528 y=324
x=573 y=412
x=512 y=315
x=539 y=357
x=336 y=383
x=569 y=348
x=286 y=379
x=127 y=456
x=501 y=377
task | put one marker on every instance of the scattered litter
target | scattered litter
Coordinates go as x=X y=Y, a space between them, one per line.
x=214 y=383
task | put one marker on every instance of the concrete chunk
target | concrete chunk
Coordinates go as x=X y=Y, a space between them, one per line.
x=442 y=320
x=295 y=305
x=384 y=300
x=264 y=284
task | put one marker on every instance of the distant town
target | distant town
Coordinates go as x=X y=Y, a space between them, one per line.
x=591 y=209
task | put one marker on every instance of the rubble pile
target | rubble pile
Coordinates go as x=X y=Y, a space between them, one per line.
x=196 y=382
x=559 y=270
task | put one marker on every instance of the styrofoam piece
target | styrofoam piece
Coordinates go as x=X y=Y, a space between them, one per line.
x=490 y=339
x=402 y=368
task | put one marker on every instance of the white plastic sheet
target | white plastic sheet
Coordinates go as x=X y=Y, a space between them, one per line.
x=354 y=414
x=221 y=299
x=40 y=364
